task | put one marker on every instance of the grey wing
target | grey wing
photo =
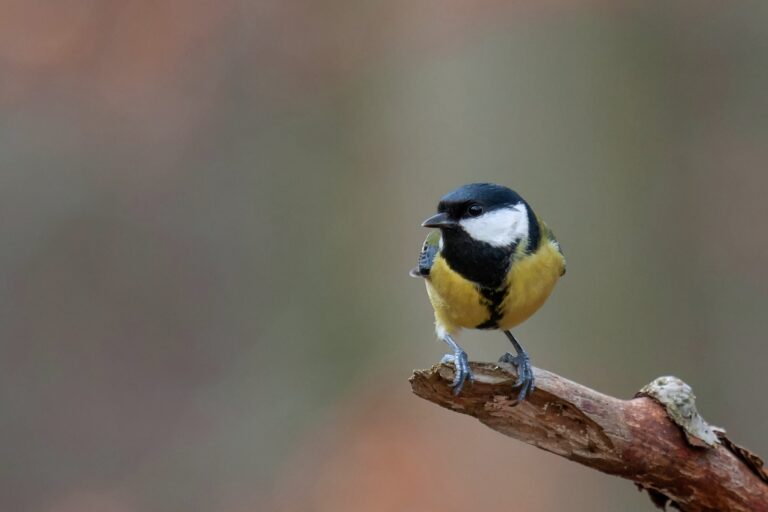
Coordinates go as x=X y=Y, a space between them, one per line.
x=551 y=237
x=427 y=256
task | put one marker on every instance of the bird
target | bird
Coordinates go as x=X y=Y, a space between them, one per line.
x=490 y=265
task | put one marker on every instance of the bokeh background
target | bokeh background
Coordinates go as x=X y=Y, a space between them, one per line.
x=208 y=210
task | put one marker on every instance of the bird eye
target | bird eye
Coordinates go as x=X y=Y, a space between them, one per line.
x=475 y=210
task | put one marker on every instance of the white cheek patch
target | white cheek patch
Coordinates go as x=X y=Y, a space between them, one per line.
x=499 y=228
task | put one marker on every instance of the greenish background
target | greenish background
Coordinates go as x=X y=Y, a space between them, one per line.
x=209 y=210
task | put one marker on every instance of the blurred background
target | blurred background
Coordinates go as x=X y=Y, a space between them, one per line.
x=208 y=211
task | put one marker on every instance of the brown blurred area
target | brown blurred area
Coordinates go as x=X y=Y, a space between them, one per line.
x=208 y=211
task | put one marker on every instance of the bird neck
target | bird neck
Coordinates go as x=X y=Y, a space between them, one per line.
x=476 y=261
x=534 y=231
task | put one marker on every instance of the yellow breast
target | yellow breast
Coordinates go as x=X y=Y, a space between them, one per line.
x=458 y=302
x=530 y=282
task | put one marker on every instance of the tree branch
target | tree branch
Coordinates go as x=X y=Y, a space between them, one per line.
x=634 y=439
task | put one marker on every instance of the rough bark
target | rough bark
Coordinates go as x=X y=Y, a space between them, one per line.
x=635 y=439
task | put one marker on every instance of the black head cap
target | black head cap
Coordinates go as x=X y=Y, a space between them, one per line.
x=487 y=195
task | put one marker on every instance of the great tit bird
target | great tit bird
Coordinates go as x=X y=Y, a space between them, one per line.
x=491 y=265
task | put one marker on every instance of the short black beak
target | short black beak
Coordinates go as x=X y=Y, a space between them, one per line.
x=441 y=220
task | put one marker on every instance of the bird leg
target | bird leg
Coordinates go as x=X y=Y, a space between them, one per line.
x=460 y=362
x=523 y=364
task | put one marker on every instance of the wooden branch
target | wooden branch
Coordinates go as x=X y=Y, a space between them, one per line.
x=634 y=439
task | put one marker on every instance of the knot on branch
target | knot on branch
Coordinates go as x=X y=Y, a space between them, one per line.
x=678 y=398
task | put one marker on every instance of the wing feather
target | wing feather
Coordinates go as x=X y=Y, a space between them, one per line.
x=550 y=235
x=427 y=256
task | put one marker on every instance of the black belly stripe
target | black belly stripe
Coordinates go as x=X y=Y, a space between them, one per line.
x=493 y=301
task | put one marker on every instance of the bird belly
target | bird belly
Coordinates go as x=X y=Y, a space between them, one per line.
x=530 y=282
x=457 y=301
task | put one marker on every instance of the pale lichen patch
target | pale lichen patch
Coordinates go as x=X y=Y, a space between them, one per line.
x=678 y=398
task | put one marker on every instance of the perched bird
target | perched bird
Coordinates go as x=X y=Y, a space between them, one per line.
x=491 y=265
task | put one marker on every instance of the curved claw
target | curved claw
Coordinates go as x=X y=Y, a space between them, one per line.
x=462 y=373
x=524 y=374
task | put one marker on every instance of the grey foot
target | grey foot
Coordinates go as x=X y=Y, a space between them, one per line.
x=462 y=372
x=524 y=373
